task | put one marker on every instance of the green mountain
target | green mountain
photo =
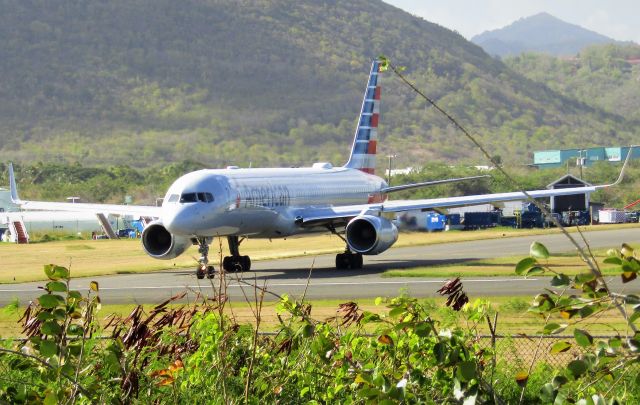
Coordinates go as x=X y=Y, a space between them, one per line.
x=604 y=76
x=268 y=82
x=542 y=33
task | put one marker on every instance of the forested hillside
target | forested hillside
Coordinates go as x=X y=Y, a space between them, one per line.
x=604 y=76
x=270 y=82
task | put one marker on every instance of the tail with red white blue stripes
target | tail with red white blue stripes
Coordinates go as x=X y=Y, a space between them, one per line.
x=363 y=151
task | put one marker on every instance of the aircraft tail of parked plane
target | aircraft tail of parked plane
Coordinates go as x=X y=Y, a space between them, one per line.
x=349 y=201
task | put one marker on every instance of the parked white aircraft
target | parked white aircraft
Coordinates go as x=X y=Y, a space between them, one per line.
x=349 y=201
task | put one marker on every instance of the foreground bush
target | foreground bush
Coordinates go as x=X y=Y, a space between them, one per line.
x=198 y=354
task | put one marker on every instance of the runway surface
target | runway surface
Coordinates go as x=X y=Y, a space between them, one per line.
x=290 y=276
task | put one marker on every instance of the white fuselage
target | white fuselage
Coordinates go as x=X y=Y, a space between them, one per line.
x=261 y=202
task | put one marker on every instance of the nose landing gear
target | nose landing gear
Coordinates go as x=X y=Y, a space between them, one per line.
x=230 y=264
x=204 y=269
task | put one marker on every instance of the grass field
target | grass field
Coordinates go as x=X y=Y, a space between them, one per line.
x=568 y=263
x=513 y=316
x=20 y=263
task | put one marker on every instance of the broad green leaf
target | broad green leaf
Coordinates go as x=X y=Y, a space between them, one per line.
x=634 y=317
x=632 y=299
x=586 y=311
x=560 y=347
x=615 y=343
x=538 y=251
x=439 y=351
x=56 y=273
x=45 y=316
x=50 y=328
x=547 y=393
x=75 y=330
x=56 y=286
x=467 y=370
x=48 y=348
x=577 y=368
x=560 y=280
x=583 y=338
x=535 y=270
x=559 y=380
x=94 y=286
x=307 y=330
x=75 y=294
x=396 y=311
x=50 y=399
x=613 y=260
x=584 y=278
x=50 y=300
x=553 y=328
x=524 y=265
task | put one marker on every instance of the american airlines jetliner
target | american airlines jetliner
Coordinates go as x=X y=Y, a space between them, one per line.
x=349 y=201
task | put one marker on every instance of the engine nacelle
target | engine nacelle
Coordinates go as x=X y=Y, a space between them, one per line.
x=159 y=243
x=370 y=235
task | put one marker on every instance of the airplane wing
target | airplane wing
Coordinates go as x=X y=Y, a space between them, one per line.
x=326 y=215
x=113 y=209
x=340 y=215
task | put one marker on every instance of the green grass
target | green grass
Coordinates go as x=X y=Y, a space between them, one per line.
x=513 y=317
x=568 y=263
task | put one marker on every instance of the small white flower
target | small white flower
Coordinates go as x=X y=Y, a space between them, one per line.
x=402 y=383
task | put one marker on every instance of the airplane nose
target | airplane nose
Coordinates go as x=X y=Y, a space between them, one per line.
x=177 y=222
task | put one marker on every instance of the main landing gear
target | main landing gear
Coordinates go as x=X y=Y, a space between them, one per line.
x=348 y=260
x=230 y=264
x=235 y=262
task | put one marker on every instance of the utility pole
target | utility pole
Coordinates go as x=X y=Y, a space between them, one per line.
x=390 y=157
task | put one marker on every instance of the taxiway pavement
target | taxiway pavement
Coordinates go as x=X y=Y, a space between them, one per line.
x=317 y=276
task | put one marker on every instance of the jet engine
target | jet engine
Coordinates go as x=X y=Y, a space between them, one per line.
x=159 y=243
x=370 y=235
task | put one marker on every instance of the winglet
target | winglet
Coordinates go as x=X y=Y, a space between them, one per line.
x=624 y=167
x=12 y=184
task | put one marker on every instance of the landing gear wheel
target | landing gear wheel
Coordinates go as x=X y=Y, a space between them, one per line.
x=232 y=264
x=211 y=272
x=246 y=263
x=200 y=272
x=203 y=268
x=235 y=262
x=342 y=261
x=348 y=260
x=355 y=261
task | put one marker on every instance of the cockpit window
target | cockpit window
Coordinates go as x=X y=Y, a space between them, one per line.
x=196 y=197
x=188 y=198
x=205 y=197
x=173 y=198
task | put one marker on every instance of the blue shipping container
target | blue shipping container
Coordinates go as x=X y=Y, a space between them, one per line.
x=436 y=222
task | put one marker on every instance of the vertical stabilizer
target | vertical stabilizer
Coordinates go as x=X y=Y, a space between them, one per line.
x=12 y=185
x=363 y=151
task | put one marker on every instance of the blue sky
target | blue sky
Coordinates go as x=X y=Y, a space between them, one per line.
x=618 y=19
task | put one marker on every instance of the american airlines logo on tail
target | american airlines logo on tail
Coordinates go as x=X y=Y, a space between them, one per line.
x=363 y=151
